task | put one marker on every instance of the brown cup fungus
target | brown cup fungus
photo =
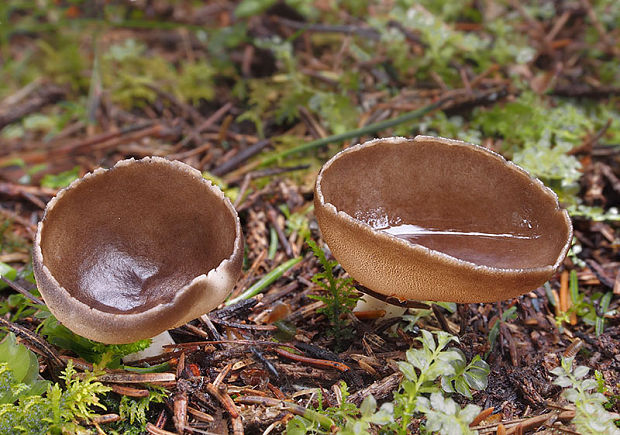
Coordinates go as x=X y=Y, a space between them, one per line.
x=126 y=253
x=437 y=219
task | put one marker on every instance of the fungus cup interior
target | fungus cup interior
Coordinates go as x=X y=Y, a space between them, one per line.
x=451 y=202
x=128 y=240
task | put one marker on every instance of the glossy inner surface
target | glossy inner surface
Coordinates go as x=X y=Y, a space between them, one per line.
x=489 y=249
x=455 y=199
x=127 y=239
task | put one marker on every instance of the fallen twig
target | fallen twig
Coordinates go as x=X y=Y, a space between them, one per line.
x=18 y=288
x=240 y=157
x=47 y=94
x=379 y=389
x=323 y=420
x=129 y=391
x=154 y=430
x=34 y=339
x=137 y=378
x=537 y=421
x=243 y=325
x=222 y=396
x=194 y=135
x=321 y=363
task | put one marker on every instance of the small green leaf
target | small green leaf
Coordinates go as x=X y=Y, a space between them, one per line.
x=456 y=357
x=369 y=405
x=493 y=333
x=510 y=313
x=440 y=368
x=428 y=340
x=590 y=384
x=407 y=370
x=17 y=356
x=250 y=8
x=60 y=180
x=550 y=295
x=8 y=272
x=604 y=306
x=580 y=372
x=563 y=381
x=24 y=368
x=446 y=384
x=461 y=387
x=443 y=338
x=477 y=374
x=384 y=415
x=418 y=358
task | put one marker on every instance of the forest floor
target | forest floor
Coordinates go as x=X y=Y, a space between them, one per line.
x=257 y=95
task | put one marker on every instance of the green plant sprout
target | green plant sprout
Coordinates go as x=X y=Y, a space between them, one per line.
x=273 y=243
x=592 y=310
x=133 y=411
x=466 y=376
x=339 y=295
x=297 y=222
x=59 y=411
x=445 y=416
x=509 y=314
x=590 y=415
x=421 y=370
x=419 y=395
x=349 y=418
x=420 y=313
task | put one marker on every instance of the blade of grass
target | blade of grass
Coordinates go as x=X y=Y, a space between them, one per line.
x=273 y=243
x=265 y=281
x=159 y=368
x=367 y=129
x=603 y=307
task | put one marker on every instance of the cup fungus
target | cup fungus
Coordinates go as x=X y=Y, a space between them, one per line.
x=438 y=219
x=128 y=252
